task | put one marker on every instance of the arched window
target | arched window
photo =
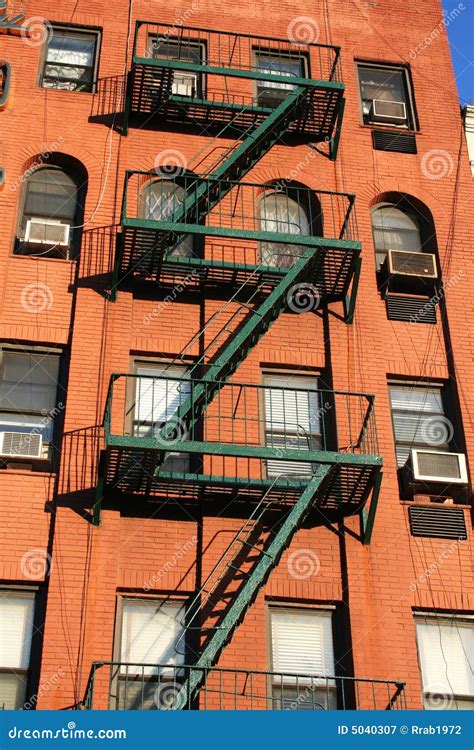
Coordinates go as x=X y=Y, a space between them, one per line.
x=278 y=212
x=52 y=212
x=159 y=200
x=394 y=229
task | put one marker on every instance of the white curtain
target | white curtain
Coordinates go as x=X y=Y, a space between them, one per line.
x=283 y=215
x=150 y=634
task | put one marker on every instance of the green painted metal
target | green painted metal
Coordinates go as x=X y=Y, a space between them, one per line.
x=10 y=23
x=350 y=300
x=99 y=492
x=243 y=600
x=368 y=519
x=334 y=142
x=7 y=75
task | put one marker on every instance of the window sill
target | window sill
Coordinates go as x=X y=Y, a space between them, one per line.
x=66 y=91
x=427 y=503
x=43 y=258
x=28 y=473
x=389 y=128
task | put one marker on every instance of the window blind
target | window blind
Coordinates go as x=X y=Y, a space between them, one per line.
x=302 y=643
x=158 y=398
x=29 y=382
x=418 y=419
x=446 y=650
x=150 y=631
x=16 y=628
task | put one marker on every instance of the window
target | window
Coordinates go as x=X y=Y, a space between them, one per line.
x=271 y=93
x=151 y=652
x=16 y=630
x=385 y=92
x=28 y=406
x=445 y=652
x=70 y=60
x=292 y=420
x=51 y=212
x=280 y=213
x=394 y=229
x=160 y=200
x=185 y=83
x=419 y=420
x=159 y=392
x=302 y=659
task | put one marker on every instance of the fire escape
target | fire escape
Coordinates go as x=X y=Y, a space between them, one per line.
x=214 y=441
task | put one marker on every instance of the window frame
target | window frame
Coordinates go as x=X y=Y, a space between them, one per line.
x=31 y=592
x=59 y=405
x=411 y=214
x=310 y=208
x=189 y=242
x=440 y=618
x=86 y=30
x=303 y=59
x=411 y=124
x=201 y=78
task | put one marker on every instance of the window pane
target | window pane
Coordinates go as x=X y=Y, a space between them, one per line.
x=29 y=382
x=382 y=83
x=16 y=627
x=302 y=643
x=161 y=200
x=418 y=420
x=71 y=48
x=175 y=50
x=51 y=193
x=12 y=691
x=446 y=652
x=281 y=66
x=150 y=632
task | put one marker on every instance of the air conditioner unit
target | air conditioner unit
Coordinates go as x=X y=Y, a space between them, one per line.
x=184 y=84
x=43 y=231
x=437 y=466
x=21 y=444
x=407 y=263
x=391 y=112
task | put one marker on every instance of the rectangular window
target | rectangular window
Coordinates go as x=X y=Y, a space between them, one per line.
x=28 y=406
x=446 y=653
x=302 y=659
x=386 y=95
x=159 y=391
x=16 y=629
x=151 y=653
x=185 y=83
x=71 y=59
x=271 y=93
x=419 y=419
x=292 y=420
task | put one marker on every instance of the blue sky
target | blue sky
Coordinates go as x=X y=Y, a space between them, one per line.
x=461 y=37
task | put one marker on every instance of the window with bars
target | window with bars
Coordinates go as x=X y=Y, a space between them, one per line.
x=185 y=83
x=16 y=630
x=151 y=633
x=292 y=420
x=159 y=390
x=419 y=419
x=386 y=95
x=161 y=200
x=70 y=61
x=282 y=214
x=272 y=93
x=302 y=659
x=29 y=403
x=446 y=656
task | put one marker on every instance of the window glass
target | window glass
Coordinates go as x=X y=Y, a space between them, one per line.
x=281 y=66
x=280 y=213
x=185 y=83
x=70 y=60
x=161 y=200
x=384 y=91
x=150 y=634
x=419 y=420
x=394 y=229
x=16 y=628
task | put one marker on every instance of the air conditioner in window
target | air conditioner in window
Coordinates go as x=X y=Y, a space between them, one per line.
x=43 y=231
x=184 y=84
x=407 y=263
x=21 y=444
x=391 y=112
x=436 y=466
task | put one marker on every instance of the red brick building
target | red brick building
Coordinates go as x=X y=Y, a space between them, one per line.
x=193 y=331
